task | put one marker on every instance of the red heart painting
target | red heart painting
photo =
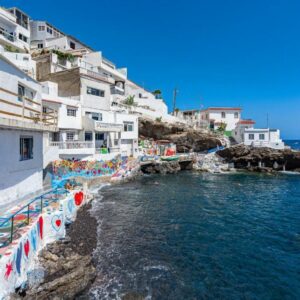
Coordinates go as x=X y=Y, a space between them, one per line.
x=58 y=223
x=78 y=198
x=41 y=224
x=26 y=248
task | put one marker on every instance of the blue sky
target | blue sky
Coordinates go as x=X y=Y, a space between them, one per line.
x=216 y=52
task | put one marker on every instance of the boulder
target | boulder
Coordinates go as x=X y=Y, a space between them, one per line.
x=185 y=138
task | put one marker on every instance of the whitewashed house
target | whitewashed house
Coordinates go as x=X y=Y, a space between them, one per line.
x=192 y=118
x=238 y=132
x=22 y=125
x=215 y=116
x=263 y=138
x=45 y=35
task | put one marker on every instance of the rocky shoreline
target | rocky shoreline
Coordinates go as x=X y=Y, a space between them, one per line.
x=261 y=159
x=68 y=265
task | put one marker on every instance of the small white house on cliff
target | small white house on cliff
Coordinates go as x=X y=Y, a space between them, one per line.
x=263 y=138
x=215 y=116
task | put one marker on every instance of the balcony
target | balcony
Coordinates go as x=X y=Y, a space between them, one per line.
x=23 y=112
x=116 y=90
x=99 y=126
x=8 y=36
x=84 y=148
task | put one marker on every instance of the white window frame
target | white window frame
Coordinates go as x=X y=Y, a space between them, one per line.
x=71 y=112
x=251 y=136
x=236 y=115
x=128 y=126
x=70 y=134
x=262 y=136
x=95 y=92
x=223 y=115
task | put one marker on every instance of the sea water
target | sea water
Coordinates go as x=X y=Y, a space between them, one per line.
x=199 y=236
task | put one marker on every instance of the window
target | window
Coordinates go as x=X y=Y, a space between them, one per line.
x=99 y=136
x=251 y=136
x=94 y=116
x=236 y=115
x=21 y=92
x=70 y=136
x=223 y=115
x=49 y=30
x=21 y=19
x=71 y=112
x=23 y=38
x=26 y=148
x=95 y=92
x=40 y=46
x=262 y=136
x=72 y=45
x=41 y=28
x=88 y=136
x=128 y=126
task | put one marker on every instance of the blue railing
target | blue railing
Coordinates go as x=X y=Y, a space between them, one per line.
x=9 y=225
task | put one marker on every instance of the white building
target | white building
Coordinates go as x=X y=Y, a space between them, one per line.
x=215 y=116
x=14 y=29
x=22 y=125
x=15 y=39
x=238 y=132
x=263 y=138
x=45 y=35
x=192 y=118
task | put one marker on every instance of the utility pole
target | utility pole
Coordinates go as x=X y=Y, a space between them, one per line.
x=174 y=100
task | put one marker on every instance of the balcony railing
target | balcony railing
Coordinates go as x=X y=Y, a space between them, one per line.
x=100 y=125
x=24 y=108
x=8 y=35
x=73 y=145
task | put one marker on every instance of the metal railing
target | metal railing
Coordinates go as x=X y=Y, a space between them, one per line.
x=100 y=125
x=8 y=36
x=10 y=225
x=73 y=144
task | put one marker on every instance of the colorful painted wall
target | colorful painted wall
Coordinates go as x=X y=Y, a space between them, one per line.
x=65 y=169
x=19 y=258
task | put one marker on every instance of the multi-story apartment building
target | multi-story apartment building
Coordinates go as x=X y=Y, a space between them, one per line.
x=215 y=116
x=15 y=39
x=14 y=29
x=84 y=84
x=143 y=103
x=22 y=126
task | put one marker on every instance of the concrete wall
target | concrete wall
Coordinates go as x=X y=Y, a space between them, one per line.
x=68 y=82
x=91 y=101
x=18 y=178
x=10 y=77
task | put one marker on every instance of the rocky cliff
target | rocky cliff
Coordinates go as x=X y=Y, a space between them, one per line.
x=247 y=157
x=185 y=138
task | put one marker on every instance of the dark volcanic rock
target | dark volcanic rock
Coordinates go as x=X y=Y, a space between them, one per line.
x=67 y=264
x=247 y=157
x=185 y=138
x=171 y=167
